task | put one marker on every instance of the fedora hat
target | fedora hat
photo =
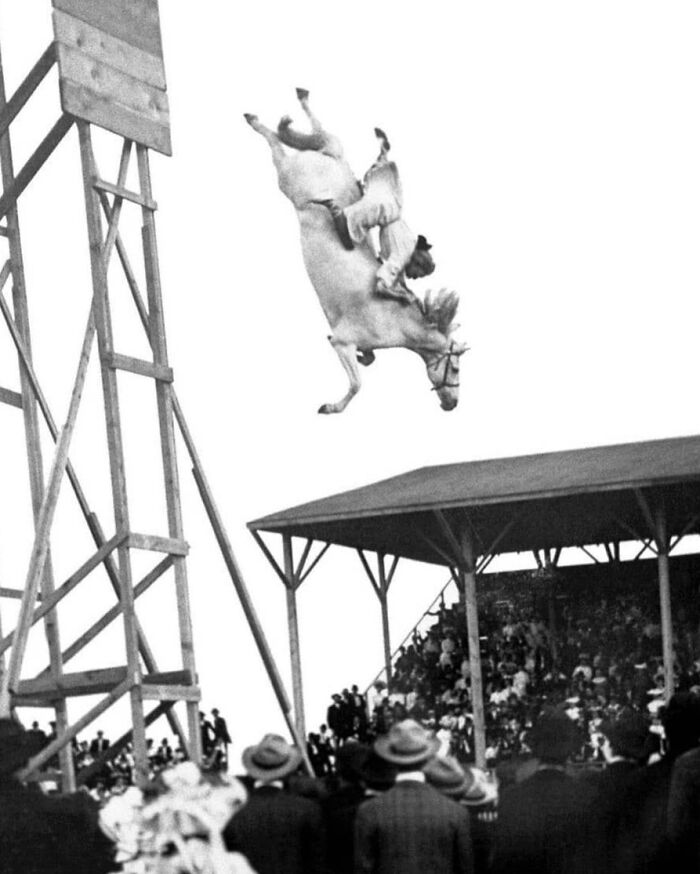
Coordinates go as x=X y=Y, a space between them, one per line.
x=447 y=776
x=481 y=790
x=271 y=759
x=407 y=743
x=17 y=746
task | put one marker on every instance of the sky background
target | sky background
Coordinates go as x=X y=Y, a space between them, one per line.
x=548 y=150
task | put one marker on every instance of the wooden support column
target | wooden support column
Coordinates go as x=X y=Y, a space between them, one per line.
x=468 y=575
x=665 y=601
x=115 y=447
x=383 y=594
x=29 y=407
x=164 y=402
x=293 y=627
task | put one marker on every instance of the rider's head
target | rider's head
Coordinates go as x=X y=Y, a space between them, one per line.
x=421 y=262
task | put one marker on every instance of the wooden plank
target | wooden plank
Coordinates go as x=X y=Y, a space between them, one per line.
x=84 y=103
x=158 y=544
x=6 y=592
x=12 y=398
x=119 y=191
x=137 y=365
x=171 y=693
x=34 y=164
x=110 y=50
x=90 y=682
x=3 y=231
x=136 y=22
x=171 y=678
x=31 y=82
x=105 y=81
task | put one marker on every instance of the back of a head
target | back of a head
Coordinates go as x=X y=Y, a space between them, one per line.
x=554 y=737
x=681 y=721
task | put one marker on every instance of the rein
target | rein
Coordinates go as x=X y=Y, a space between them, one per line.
x=447 y=358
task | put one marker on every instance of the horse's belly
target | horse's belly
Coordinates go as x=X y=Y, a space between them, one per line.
x=310 y=176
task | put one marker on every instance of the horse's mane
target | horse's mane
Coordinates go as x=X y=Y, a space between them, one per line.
x=439 y=309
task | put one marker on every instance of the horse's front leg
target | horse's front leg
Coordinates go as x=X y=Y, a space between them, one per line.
x=347 y=352
x=278 y=153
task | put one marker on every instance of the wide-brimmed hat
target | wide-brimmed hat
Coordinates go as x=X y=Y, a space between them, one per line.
x=447 y=776
x=481 y=790
x=17 y=746
x=407 y=743
x=271 y=759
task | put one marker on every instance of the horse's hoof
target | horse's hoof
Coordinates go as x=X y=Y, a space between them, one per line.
x=250 y=118
x=302 y=94
x=325 y=409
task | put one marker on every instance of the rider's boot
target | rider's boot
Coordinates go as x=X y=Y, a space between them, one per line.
x=397 y=291
x=340 y=222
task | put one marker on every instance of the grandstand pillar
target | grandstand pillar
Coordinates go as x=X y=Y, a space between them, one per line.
x=467 y=573
x=292 y=585
x=662 y=546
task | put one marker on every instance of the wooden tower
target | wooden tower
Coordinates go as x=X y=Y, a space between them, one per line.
x=111 y=74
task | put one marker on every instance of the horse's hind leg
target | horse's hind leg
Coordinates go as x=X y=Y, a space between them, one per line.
x=303 y=97
x=347 y=352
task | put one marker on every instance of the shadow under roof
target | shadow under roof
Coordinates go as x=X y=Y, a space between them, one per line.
x=556 y=499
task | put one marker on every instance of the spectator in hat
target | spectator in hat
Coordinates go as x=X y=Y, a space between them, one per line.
x=411 y=828
x=278 y=832
x=545 y=822
x=41 y=834
x=341 y=806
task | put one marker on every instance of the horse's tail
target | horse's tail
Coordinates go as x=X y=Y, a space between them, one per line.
x=313 y=142
x=440 y=308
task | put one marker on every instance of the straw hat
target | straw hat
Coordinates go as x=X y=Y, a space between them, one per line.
x=407 y=743
x=481 y=790
x=271 y=759
x=447 y=776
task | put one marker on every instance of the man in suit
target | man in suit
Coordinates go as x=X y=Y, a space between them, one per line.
x=279 y=833
x=412 y=828
x=45 y=834
x=546 y=822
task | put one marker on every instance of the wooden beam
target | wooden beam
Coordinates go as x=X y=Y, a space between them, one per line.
x=136 y=365
x=31 y=82
x=448 y=533
x=370 y=574
x=172 y=692
x=92 y=682
x=158 y=544
x=294 y=643
x=124 y=193
x=11 y=398
x=113 y=226
x=115 y=611
x=35 y=163
x=57 y=596
x=269 y=556
x=313 y=564
x=15 y=593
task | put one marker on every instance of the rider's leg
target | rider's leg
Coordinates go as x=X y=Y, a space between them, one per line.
x=340 y=222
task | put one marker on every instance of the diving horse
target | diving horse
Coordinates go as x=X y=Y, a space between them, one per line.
x=311 y=169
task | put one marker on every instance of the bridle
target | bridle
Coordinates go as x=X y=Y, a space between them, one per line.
x=449 y=364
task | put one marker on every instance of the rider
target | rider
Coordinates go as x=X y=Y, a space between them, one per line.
x=403 y=253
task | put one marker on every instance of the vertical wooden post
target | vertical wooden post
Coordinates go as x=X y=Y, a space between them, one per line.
x=31 y=430
x=293 y=626
x=156 y=333
x=383 y=594
x=468 y=574
x=665 y=601
x=115 y=447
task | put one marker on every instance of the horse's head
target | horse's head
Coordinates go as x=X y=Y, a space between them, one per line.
x=439 y=311
x=443 y=372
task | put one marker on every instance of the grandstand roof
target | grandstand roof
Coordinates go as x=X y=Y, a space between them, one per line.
x=557 y=499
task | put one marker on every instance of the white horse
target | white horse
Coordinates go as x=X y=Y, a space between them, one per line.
x=311 y=168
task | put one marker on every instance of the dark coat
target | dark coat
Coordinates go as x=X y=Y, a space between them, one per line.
x=646 y=849
x=412 y=829
x=340 y=811
x=546 y=826
x=279 y=833
x=42 y=834
x=611 y=810
x=684 y=812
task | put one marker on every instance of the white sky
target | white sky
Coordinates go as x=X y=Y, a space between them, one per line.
x=548 y=150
